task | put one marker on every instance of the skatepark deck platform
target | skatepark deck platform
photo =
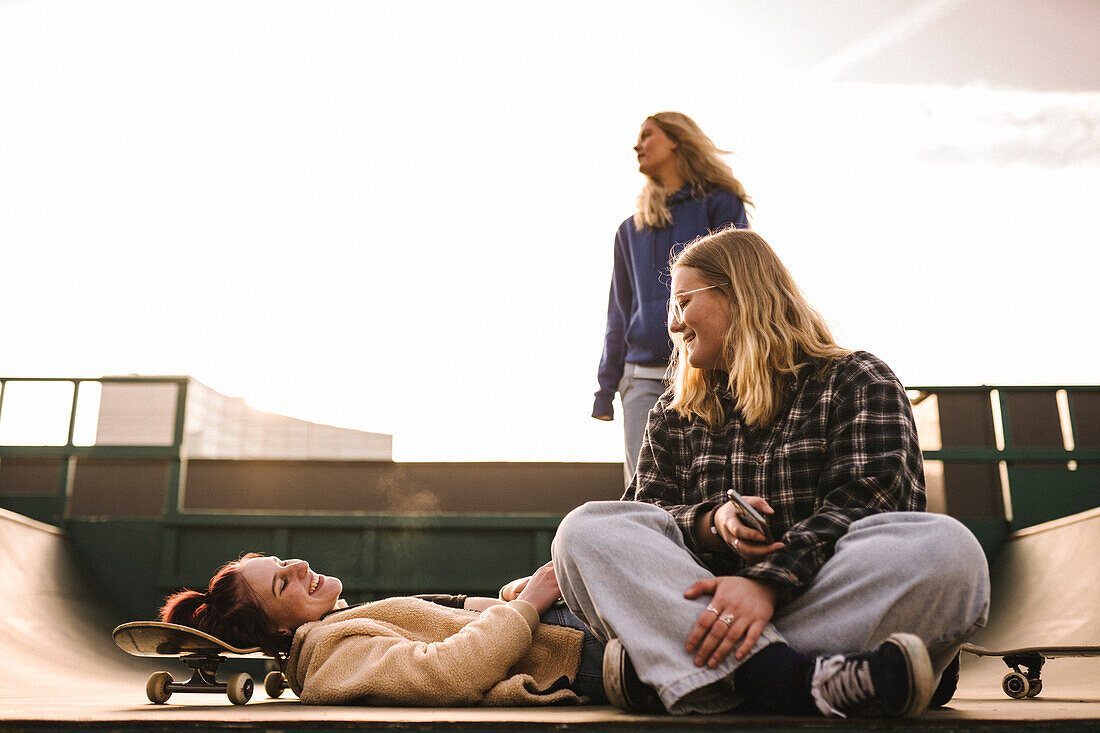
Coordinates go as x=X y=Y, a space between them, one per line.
x=62 y=672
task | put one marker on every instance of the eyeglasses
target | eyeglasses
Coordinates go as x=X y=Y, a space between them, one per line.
x=677 y=310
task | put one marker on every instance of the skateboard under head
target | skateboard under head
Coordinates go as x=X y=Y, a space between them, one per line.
x=201 y=652
x=160 y=639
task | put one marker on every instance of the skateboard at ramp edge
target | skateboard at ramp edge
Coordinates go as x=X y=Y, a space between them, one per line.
x=1046 y=592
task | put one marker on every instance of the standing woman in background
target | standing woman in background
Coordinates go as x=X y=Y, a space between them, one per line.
x=689 y=192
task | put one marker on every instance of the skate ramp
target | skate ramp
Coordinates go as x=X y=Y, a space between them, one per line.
x=55 y=629
x=61 y=669
x=1046 y=592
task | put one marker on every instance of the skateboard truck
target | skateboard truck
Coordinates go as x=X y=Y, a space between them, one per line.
x=204 y=669
x=1017 y=684
x=238 y=688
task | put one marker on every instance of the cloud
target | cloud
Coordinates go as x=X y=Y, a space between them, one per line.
x=1057 y=135
x=977 y=124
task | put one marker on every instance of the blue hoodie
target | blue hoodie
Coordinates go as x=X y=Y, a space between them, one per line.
x=637 y=308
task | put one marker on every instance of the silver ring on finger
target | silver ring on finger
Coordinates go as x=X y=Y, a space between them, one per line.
x=714 y=610
x=727 y=619
x=736 y=544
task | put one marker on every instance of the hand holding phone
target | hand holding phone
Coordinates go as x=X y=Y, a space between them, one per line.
x=748 y=516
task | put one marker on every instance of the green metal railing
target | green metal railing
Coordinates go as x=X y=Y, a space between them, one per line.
x=1020 y=454
x=1009 y=452
x=68 y=452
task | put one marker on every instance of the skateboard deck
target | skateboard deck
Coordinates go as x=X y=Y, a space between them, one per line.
x=1017 y=684
x=200 y=652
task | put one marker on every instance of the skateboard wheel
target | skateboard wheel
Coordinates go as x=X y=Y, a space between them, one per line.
x=1034 y=688
x=239 y=688
x=156 y=688
x=1015 y=685
x=274 y=683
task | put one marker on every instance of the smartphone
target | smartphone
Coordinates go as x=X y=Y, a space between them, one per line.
x=749 y=516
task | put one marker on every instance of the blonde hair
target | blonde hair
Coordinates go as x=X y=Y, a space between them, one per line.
x=773 y=332
x=699 y=164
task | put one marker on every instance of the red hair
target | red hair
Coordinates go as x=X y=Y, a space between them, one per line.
x=229 y=610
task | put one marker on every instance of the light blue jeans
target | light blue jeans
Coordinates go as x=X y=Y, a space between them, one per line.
x=639 y=395
x=623 y=569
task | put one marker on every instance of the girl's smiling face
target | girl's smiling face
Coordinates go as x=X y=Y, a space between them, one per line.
x=701 y=314
x=289 y=593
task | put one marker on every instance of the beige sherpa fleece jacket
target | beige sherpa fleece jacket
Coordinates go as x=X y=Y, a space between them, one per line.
x=408 y=651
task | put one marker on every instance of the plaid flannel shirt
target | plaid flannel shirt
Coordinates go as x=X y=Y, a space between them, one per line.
x=842 y=447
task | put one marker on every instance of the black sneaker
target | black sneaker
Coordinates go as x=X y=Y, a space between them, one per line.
x=892 y=680
x=949 y=682
x=621 y=684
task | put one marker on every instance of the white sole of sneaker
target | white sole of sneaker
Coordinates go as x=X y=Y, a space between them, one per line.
x=920 y=672
x=613 y=684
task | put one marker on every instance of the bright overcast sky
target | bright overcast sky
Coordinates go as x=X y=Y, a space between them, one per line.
x=398 y=216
